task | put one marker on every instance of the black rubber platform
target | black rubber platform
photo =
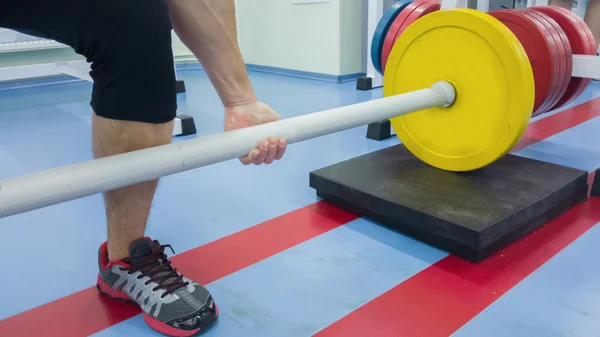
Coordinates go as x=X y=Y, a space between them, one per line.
x=188 y=127
x=471 y=215
x=379 y=130
x=595 y=192
x=180 y=86
x=364 y=83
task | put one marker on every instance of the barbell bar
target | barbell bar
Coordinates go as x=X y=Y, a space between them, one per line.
x=459 y=92
x=45 y=188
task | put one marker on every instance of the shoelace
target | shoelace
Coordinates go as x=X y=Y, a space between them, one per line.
x=160 y=272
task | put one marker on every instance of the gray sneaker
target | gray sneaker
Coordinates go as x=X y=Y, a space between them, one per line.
x=171 y=303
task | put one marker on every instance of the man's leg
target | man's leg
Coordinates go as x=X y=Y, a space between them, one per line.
x=134 y=101
x=567 y=4
x=592 y=14
x=127 y=208
x=592 y=18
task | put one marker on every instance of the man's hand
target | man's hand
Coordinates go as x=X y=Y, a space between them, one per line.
x=244 y=115
x=208 y=29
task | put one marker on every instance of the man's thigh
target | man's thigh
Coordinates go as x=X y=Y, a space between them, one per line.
x=128 y=43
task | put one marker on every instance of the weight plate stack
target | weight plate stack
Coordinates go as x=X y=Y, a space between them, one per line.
x=381 y=31
x=581 y=42
x=542 y=51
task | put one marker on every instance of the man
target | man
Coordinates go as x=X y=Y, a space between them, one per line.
x=591 y=18
x=134 y=103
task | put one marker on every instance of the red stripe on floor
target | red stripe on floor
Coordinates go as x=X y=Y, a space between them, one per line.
x=443 y=297
x=559 y=122
x=86 y=312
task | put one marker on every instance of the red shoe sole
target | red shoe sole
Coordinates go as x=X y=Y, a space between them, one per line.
x=155 y=324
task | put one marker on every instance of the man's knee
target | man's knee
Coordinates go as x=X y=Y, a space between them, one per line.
x=134 y=76
x=568 y=4
x=594 y=3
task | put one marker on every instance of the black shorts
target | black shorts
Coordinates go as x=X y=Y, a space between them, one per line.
x=128 y=43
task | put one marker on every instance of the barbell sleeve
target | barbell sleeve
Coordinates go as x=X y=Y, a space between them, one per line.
x=40 y=189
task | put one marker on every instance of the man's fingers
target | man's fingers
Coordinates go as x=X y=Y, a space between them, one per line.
x=263 y=149
x=249 y=157
x=245 y=160
x=267 y=152
x=281 y=147
x=272 y=151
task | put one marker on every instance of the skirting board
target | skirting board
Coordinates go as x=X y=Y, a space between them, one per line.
x=304 y=74
x=45 y=74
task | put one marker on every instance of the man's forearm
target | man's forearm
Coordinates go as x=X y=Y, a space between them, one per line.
x=208 y=29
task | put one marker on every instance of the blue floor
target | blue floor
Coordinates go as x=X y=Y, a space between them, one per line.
x=51 y=252
x=41 y=129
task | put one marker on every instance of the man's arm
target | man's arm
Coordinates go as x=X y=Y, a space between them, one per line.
x=208 y=29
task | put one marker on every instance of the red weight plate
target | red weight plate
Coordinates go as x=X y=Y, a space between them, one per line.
x=568 y=59
x=584 y=27
x=581 y=41
x=558 y=60
x=564 y=55
x=423 y=9
x=540 y=49
x=392 y=33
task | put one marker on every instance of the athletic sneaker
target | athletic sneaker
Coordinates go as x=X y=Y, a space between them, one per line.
x=171 y=303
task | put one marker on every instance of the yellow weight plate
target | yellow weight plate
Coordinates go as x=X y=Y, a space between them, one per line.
x=494 y=85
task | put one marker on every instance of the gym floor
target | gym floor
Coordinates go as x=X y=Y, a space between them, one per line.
x=278 y=261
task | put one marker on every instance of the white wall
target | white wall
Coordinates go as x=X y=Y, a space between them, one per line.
x=320 y=37
x=324 y=38
x=352 y=55
x=278 y=33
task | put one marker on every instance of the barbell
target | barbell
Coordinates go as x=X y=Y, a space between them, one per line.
x=458 y=90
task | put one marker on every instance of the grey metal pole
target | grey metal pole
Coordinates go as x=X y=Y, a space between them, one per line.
x=45 y=188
